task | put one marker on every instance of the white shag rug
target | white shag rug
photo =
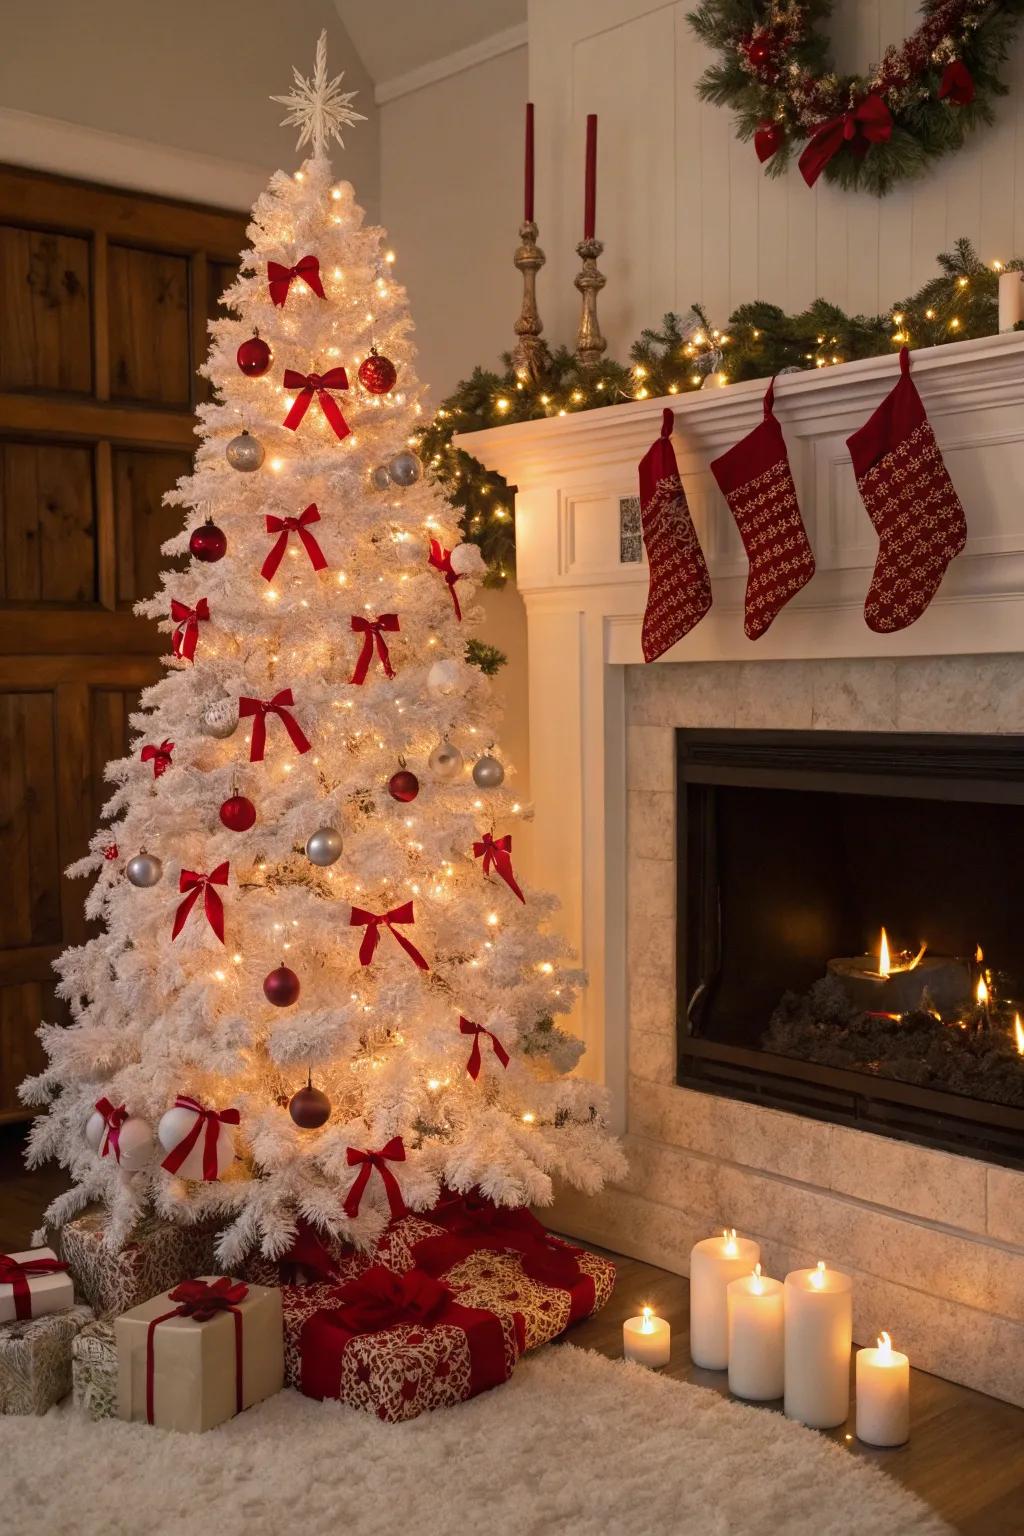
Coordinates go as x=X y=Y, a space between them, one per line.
x=574 y=1445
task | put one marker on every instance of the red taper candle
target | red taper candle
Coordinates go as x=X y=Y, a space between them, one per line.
x=528 y=175
x=590 y=186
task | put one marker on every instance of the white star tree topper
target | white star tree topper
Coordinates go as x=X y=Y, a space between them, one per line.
x=317 y=106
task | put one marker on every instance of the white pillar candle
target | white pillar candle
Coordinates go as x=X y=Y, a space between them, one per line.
x=883 y=1395
x=756 y=1328
x=819 y=1337
x=1011 y=300
x=647 y=1339
x=713 y=1264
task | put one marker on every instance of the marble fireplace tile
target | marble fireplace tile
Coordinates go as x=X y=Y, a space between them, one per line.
x=1006 y=1207
x=651 y=950
x=651 y=819
x=854 y=695
x=791 y=1145
x=652 y=1056
x=698 y=694
x=773 y=695
x=956 y=693
x=652 y=1008
x=938 y=1186
x=651 y=758
x=652 y=888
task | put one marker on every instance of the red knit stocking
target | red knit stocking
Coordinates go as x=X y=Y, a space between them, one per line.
x=679 y=594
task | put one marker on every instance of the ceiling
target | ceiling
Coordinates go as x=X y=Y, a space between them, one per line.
x=393 y=37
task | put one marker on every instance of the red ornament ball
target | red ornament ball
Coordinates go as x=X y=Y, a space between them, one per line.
x=309 y=1108
x=110 y=852
x=238 y=814
x=281 y=987
x=208 y=543
x=377 y=374
x=253 y=357
x=403 y=785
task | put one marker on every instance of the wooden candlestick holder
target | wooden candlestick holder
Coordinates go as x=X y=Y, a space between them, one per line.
x=530 y=355
x=590 y=344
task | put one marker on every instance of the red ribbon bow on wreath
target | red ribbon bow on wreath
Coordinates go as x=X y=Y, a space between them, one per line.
x=474 y=1063
x=441 y=560
x=496 y=854
x=957 y=84
x=159 y=756
x=373 y=921
x=378 y=1299
x=186 y=635
x=372 y=631
x=869 y=122
x=280 y=278
x=113 y=1119
x=259 y=709
x=193 y=882
x=310 y=384
x=16 y=1273
x=201 y=1300
x=208 y=1122
x=283 y=526
x=392 y=1152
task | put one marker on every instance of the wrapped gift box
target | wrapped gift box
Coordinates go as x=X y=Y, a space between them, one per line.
x=314 y=1258
x=94 y=1371
x=36 y=1283
x=159 y=1256
x=35 y=1360
x=192 y=1357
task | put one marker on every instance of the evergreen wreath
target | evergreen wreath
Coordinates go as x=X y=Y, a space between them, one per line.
x=863 y=131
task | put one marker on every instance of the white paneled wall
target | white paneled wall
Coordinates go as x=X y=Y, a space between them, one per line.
x=684 y=209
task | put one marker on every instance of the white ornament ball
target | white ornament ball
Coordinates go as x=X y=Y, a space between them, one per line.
x=324 y=847
x=445 y=761
x=445 y=676
x=220 y=719
x=144 y=870
x=245 y=453
x=487 y=772
x=175 y=1125
x=405 y=468
x=379 y=478
x=467 y=560
x=134 y=1140
x=410 y=551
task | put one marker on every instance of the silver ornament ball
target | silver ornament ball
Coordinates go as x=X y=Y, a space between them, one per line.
x=324 y=847
x=245 y=452
x=445 y=760
x=144 y=870
x=487 y=772
x=380 y=479
x=405 y=468
x=220 y=718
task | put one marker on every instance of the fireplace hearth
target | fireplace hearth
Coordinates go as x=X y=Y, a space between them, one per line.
x=796 y=850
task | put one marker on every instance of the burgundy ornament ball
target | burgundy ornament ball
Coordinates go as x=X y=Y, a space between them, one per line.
x=281 y=987
x=309 y=1108
x=376 y=373
x=403 y=785
x=208 y=543
x=238 y=814
x=253 y=357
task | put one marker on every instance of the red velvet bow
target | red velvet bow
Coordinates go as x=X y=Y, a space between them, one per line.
x=16 y=1272
x=392 y=1152
x=259 y=709
x=193 y=883
x=496 y=853
x=378 y=1299
x=869 y=122
x=372 y=631
x=183 y=641
x=114 y=1119
x=280 y=278
x=470 y=1222
x=300 y=525
x=476 y=1030
x=159 y=756
x=200 y=1300
x=310 y=384
x=441 y=560
x=307 y=1256
x=371 y=938
x=767 y=140
x=207 y=1121
x=957 y=84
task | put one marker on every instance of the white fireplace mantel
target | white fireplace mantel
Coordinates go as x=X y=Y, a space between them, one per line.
x=585 y=606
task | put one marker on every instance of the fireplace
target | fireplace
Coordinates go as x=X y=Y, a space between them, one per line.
x=795 y=849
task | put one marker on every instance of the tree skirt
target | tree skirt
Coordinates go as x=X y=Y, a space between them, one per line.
x=574 y=1443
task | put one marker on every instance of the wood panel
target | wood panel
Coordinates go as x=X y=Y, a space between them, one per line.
x=47 y=511
x=44 y=310
x=148 y=306
x=109 y=739
x=142 y=522
x=29 y=812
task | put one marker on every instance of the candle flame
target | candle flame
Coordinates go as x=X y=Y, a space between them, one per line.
x=883 y=955
x=1018 y=1034
x=885 y=1343
x=758 y=1285
x=979 y=954
x=729 y=1234
x=818 y=1275
x=981 y=992
x=646 y=1326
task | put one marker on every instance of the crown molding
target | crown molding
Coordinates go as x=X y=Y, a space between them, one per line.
x=451 y=64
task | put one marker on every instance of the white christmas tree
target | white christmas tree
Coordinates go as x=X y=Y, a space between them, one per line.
x=313 y=931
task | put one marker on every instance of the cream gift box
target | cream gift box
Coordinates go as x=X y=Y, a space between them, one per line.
x=35 y=1360
x=39 y=1293
x=192 y=1357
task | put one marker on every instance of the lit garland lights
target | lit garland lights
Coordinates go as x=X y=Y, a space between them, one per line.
x=760 y=340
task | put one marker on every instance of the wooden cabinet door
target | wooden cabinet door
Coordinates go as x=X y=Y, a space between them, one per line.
x=104 y=299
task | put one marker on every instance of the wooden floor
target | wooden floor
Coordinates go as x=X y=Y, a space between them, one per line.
x=965 y=1457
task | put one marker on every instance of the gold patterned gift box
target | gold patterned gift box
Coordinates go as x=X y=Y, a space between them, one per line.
x=35 y=1359
x=159 y=1255
x=94 y=1371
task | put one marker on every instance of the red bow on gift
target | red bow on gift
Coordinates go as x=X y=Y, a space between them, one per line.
x=114 y=1119
x=280 y=278
x=310 y=384
x=186 y=635
x=16 y=1272
x=372 y=631
x=279 y=705
x=378 y=1298
x=207 y=1121
x=200 y=1300
x=957 y=84
x=392 y=1152
x=476 y=1030
x=869 y=122
x=300 y=525
x=159 y=756
x=441 y=560
x=496 y=853
x=193 y=883
x=471 y=1222
x=372 y=922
